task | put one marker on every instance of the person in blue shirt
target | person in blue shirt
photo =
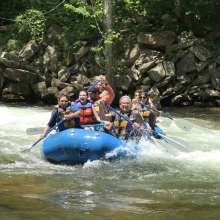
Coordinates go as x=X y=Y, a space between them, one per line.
x=60 y=112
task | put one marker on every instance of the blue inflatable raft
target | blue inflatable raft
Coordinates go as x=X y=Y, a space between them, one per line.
x=76 y=146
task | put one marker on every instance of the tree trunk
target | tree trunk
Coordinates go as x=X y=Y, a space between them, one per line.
x=108 y=47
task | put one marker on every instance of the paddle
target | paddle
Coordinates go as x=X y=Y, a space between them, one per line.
x=34 y=131
x=154 y=131
x=41 y=138
x=165 y=114
x=181 y=125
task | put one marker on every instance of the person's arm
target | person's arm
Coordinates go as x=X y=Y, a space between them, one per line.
x=73 y=112
x=45 y=131
x=72 y=115
x=108 y=94
x=50 y=124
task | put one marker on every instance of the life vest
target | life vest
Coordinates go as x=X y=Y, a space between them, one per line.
x=145 y=114
x=86 y=113
x=122 y=126
x=61 y=113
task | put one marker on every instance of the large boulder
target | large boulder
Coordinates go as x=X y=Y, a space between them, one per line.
x=8 y=60
x=16 y=92
x=1 y=78
x=215 y=76
x=81 y=52
x=122 y=81
x=186 y=65
x=201 y=53
x=59 y=84
x=82 y=79
x=162 y=70
x=132 y=54
x=20 y=75
x=40 y=89
x=50 y=59
x=146 y=66
x=157 y=39
x=202 y=78
x=71 y=91
x=65 y=73
x=29 y=50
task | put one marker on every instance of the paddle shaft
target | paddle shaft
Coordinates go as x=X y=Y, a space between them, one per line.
x=161 y=135
x=155 y=110
x=41 y=138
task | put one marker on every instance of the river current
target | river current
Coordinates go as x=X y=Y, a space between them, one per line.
x=164 y=180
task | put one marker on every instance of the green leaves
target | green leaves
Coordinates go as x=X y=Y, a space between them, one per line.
x=32 y=22
x=81 y=10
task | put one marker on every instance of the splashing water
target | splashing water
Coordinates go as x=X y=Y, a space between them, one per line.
x=158 y=180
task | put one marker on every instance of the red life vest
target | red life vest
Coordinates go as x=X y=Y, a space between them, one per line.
x=86 y=113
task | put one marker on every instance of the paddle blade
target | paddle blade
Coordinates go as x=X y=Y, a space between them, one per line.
x=34 y=131
x=34 y=144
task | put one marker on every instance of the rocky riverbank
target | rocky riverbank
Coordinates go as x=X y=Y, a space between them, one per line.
x=181 y=70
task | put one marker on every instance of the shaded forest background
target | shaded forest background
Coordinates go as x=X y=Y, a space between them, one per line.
x=84 y=21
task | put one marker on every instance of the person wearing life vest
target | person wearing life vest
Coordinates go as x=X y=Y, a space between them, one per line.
x=123 y=128
x=146 y=111
x=84 y=108
x=60 y=112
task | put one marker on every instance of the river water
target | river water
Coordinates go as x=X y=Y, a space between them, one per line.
x=164 y=181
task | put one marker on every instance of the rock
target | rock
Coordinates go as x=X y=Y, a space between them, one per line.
x=186 y=65
x=218 y=102
x=161 y=71
x=215 y=76
x=164 y=82
x=135 y=74
x=29 y=50
x=154 y=92
x=123 y=81
x=202 y=53
x=82 y=79
x=1 y=79
x=81 y=52
x=20 y=75
x=40 y=89
x=157 y=39
x=71 y=91
x=146 y=66
x=168 y=92
x=146 y=81
x=59 y=84
x=50 y=59
x=202 y=79
x=65 y=73
x=8 y=60
x=52 y=91
x=201 y=66
x=183 y=79
x=132 y=54
x=183 y=100
x=16 y=92
x=212 y=93
x=218 y=60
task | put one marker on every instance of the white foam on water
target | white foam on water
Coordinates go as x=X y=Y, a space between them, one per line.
x=201 y=140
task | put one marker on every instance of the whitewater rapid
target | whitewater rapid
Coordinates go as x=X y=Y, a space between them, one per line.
x=201 y=141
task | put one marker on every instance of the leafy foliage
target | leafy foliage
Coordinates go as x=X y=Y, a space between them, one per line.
x=33 y=22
